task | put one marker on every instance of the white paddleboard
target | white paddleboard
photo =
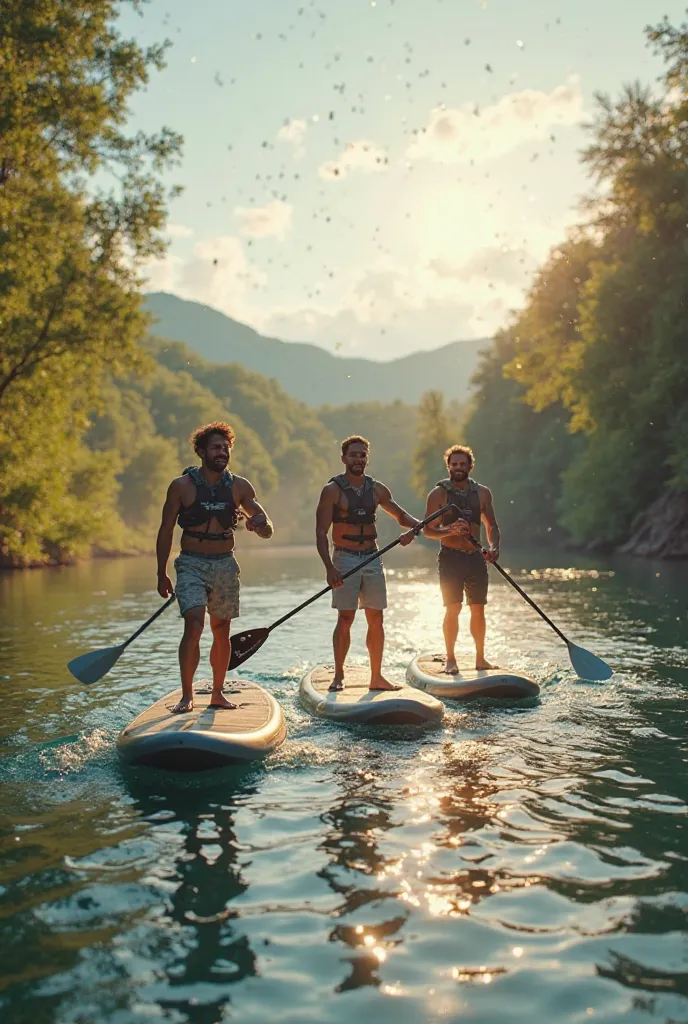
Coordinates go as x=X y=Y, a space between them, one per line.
x=205 y=737
x=426 y=672
x=356 y=703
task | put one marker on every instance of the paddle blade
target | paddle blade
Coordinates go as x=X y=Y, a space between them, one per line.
x=588 y=665
x=245 y=645
x=89 y=668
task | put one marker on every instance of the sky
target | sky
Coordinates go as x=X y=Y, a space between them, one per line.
x=378 y=177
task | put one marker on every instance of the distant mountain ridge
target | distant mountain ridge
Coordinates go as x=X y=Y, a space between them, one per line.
x=307 y=371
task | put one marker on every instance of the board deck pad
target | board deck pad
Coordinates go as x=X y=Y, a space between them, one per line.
x=426 y=672
x=358 y=703
x=205 y=737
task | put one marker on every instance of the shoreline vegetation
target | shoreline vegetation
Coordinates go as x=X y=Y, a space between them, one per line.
x=577 y=416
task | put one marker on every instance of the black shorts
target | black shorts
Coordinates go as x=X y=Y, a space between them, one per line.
x=459 y=571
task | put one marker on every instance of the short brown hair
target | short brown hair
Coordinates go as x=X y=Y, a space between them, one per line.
x=200 y=436
x=463 y=449
x=354 y=439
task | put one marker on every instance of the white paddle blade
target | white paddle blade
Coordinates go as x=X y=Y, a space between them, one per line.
x=588 y=665
x=89 y=668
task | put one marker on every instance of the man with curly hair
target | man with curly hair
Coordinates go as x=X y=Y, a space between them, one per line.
x=461 y=564
x=207 y=501
x=348 y=505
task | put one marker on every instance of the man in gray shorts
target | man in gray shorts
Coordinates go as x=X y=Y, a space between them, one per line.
x=207 y=502
x=462 y=567
x=348 y=504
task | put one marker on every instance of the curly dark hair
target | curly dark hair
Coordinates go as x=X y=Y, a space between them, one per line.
x=463 y=449
x=354 y=439
x=199 y=438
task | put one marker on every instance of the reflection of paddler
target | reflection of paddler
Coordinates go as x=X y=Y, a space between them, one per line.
x=359 y=819
x=202 y=876
x=462 y=567
x=348 y=506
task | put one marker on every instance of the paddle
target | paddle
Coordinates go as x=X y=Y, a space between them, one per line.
x=89 y=668
x=585 y=664
x=245 y=645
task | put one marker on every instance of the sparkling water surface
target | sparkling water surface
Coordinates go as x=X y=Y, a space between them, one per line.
x=525 y=861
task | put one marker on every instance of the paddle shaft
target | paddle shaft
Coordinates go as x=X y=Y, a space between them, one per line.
x=146 y=624
x=523 y=594
x=357 y=568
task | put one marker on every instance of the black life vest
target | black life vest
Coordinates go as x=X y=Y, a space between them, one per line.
x=212 y=501
x=468 y=500
x=361 y=508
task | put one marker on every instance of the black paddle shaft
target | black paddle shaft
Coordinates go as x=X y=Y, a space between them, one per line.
x=147 y=623
x=515 y=585
x=357 y=568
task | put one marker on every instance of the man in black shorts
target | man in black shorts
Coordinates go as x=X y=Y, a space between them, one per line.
x=461 y=565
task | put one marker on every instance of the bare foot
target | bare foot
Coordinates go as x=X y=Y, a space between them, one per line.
x=451 y=668
x=383 y=684
x=336 y=685
x=183 y=706
x=218 y=701
x=481 y=665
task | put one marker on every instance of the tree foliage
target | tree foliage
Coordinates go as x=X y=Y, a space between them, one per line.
x=600 y=344
x=70 y=251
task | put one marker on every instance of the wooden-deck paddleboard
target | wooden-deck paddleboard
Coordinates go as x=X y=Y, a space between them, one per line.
x=356 y=703
x=426 y=673
x=205 y=737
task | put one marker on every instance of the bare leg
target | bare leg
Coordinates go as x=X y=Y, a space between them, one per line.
x=450 y=628
x=375 y=642
x=341 y=640
x=478 y=634
x=219 y=660
x=190 y=655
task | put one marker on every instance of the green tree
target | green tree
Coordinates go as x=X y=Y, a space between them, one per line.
x=436 y=432
x=70 y=253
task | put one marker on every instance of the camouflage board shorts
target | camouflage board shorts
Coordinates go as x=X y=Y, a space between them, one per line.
x=209 y=581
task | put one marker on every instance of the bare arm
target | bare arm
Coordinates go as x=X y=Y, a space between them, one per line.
x=392 y=508
x=163 y=545
x=387 y=502
x=488 y=517
x=323 y=522
x=435 y=502
x=257 y=520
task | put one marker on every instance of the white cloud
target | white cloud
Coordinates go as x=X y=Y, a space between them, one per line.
x=273 y=220
x=218 y=273
x=179 y=231
x=360 y=155
x=391 y=311
x=513 y=265
x=293 y=133
x=459 y=135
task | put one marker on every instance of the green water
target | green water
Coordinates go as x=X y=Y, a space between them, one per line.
x=523 y=862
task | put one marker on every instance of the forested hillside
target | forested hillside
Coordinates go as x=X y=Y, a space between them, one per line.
x=581 y=412
x=308 y=371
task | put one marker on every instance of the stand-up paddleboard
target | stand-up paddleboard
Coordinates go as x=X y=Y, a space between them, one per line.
x=356 y=703
x=426 y=672
x=205 y=737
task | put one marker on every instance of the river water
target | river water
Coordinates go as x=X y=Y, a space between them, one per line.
x=523 y=862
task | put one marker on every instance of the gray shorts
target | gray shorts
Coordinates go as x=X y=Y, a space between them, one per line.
x=208 y=581
x=365 y=589
x=462 y=571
